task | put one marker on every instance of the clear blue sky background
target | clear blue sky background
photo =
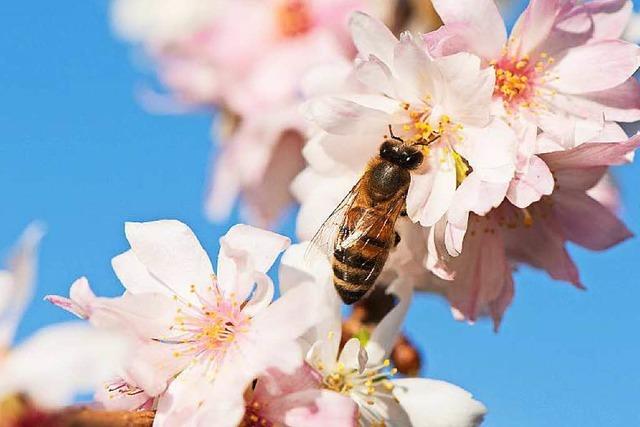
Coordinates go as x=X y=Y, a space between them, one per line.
x=79 y=153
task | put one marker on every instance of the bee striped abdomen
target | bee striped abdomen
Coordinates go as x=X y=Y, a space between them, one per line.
x=359 y=257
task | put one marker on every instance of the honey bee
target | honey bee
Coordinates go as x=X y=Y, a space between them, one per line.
x=361 y=230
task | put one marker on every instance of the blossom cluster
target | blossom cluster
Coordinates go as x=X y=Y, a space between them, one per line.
x=248 y=60
x=211 y=348
x=518 y=133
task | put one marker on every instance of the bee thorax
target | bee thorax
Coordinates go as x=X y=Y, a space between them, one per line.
x=386 y=180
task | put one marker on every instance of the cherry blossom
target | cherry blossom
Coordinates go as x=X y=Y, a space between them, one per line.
x=442 y=104
x=363 y=372
x=479 y=281
x=201 y=338
x=74 y=357
x=563 y=70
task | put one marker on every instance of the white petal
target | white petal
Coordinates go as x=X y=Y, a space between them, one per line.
x=134 y=276
x=432 y=403
x=171 y=253
x=485 y=33
x=17 y=282
x=372 y=37
x=384 y=335
x=491 y=151
x=442 y=193
x=346 y=117
x=61 y=360
x=596 y=66
x=353 y=356
x=245 y=252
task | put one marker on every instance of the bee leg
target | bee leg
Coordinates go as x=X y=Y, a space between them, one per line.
x=397 y=239
x=403 y=213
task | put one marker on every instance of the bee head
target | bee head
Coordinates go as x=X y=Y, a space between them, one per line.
x=401 y=154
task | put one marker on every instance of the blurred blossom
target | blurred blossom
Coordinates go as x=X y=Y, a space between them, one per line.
x=17 y=283
x=245 y=58
x=362 y=371
x=201 y=339
x=57 y=362
x=632 y=32
x=490 y=140
x=158 y=24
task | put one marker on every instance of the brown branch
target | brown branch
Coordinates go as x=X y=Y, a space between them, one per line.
x=86 y=417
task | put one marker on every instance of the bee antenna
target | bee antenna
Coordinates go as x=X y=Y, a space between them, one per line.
x=393 y=136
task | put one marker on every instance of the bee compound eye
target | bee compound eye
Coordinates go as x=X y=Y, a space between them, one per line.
x=412 y=160
x=386 y=150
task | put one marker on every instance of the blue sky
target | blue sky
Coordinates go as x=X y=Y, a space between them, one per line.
x=79 y=153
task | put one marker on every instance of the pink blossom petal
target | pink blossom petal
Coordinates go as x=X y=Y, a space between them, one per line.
x=544 y=249
x=295 y=304
x=192 y=399
x=353 y=356
x=261 y=296
x=473 y=195
x=621 y=103
x=440 y=189
x=566 y=128
x=534 y=25
x=171 y=253
x=245 y=251
x=607 y=193
x=298 y=400
x=485 y=30
x=386 y=332
x=491 y=151
x=372 y=37
x=153 y=366
x=74 y=356
x=223 y=188
x=447 y=40
x=438 y=257
x=81 y=299
x=482 y=272
x=588 y=223
x=261 y=246
x=268 y=344
x=530 y=185
x=415 y=71
x=610 y=17
x=461 y=78
x=345 y=117
x=275 y=383
x=299 y=265
x=17 y=282
x=323 y=408
x=375 y=75
x=579 y=179
x=134 y=276
x=595 y=67
x=267 y=199
x=436 y=403
x=592 y=155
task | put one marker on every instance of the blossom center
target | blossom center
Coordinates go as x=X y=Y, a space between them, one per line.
x=366 y=388
x=253 y=417
x=518 y=78
x=209 y=329
x=293 y=17
x=442 y=133
x=422 y=128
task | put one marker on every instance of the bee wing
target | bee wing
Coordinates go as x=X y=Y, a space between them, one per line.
x=323 y=241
